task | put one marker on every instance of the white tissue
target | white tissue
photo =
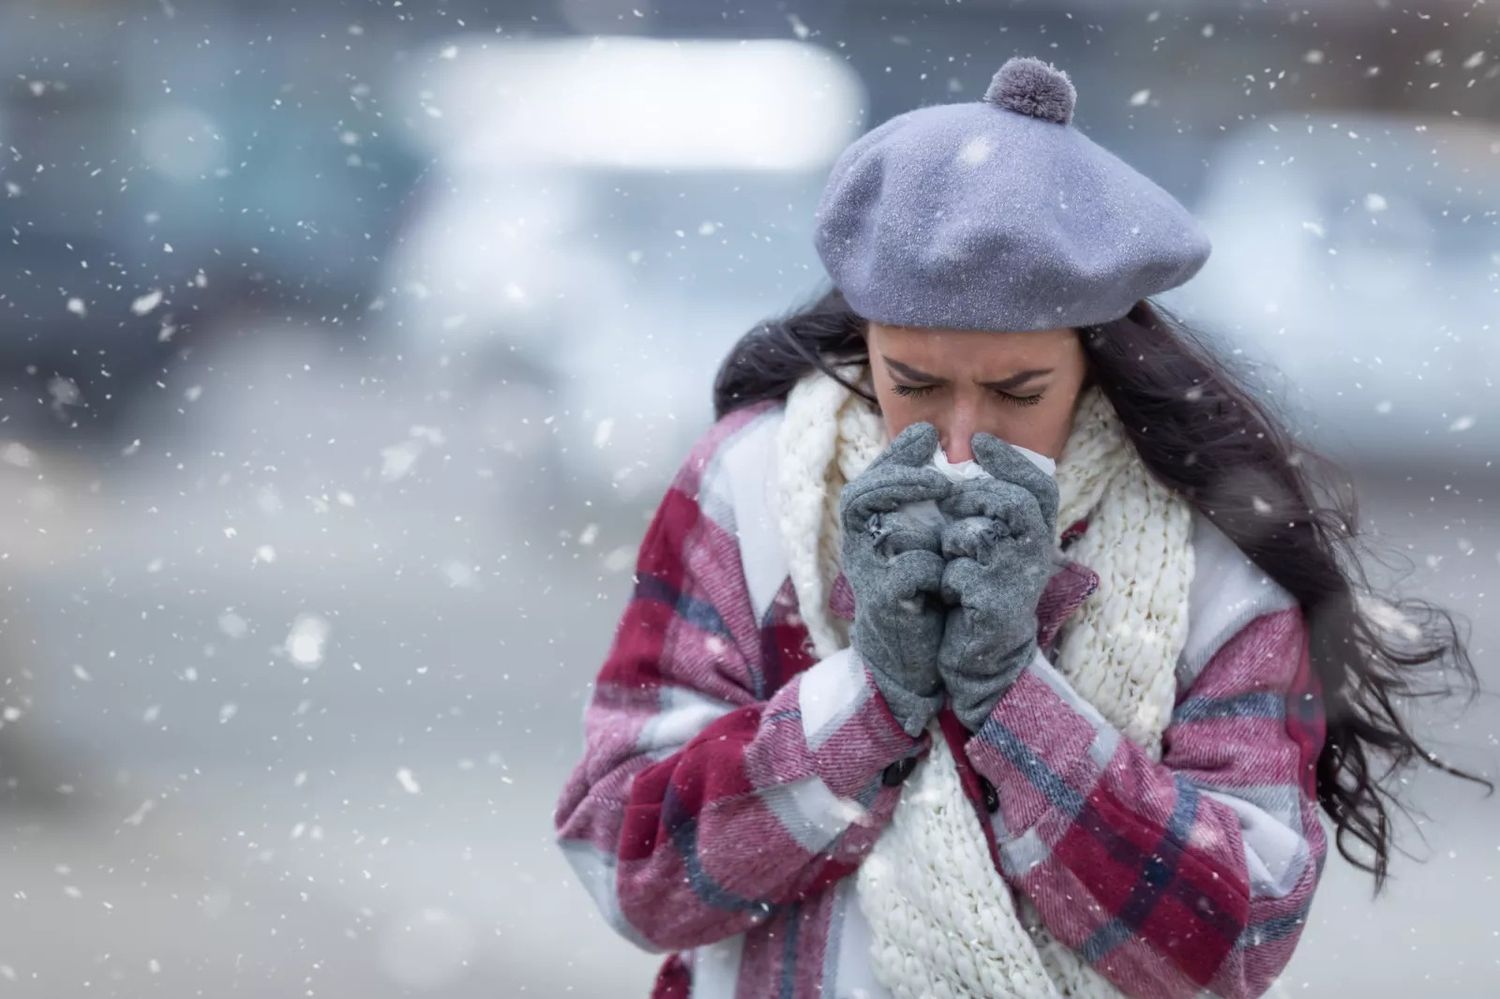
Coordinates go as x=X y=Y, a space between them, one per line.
x=959 y=472
x=926 y=511
x=971 y=469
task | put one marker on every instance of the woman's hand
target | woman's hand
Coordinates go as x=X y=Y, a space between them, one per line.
x=894 y=564
x=998 y=542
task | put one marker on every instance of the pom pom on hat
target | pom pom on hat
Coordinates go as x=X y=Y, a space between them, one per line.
x=1028 y=86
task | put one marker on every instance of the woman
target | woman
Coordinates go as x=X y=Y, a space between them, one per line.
x=1057 y=722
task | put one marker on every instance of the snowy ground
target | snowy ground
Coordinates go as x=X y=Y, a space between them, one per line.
x=299 y=678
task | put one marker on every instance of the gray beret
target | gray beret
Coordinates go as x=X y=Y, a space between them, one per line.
x=998 y=214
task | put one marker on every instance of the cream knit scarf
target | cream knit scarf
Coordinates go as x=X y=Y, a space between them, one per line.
x=943 y=922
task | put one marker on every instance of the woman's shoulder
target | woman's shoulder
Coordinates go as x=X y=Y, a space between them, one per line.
x=735 y=447
x=730 y=477
x=1228 y=591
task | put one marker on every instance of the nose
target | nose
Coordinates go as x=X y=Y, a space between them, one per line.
x=958 y=453
x=957 y=436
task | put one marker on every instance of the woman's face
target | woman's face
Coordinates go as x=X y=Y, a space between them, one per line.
x=1019 y=386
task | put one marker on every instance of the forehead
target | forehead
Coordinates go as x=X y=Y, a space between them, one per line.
x=924 y=347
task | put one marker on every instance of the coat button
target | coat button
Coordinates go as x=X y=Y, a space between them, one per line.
x=899 y=771
x=991 y=799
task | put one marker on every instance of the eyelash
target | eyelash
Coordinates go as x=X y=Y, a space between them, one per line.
x=918 y=392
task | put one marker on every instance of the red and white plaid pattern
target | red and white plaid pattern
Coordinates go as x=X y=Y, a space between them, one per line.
x=730 y=783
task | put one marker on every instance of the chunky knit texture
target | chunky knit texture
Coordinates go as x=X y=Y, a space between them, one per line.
x=944 y=923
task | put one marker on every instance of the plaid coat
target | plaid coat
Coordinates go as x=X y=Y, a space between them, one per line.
x=730 y=782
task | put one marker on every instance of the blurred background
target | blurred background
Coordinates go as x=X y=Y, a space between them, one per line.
x=346 y=348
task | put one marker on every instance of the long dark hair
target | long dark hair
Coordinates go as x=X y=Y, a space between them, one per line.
x=1203 y=433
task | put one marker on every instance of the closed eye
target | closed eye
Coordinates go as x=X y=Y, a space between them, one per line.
x=919 y=391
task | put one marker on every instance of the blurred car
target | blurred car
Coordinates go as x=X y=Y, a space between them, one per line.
x=588 y=248
x=139 y=209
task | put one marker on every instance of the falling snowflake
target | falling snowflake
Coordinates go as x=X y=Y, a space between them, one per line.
x=304 y=643
x=143 y=305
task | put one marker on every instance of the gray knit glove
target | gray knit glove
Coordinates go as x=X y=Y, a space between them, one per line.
x=998 y=540
x=894 y=566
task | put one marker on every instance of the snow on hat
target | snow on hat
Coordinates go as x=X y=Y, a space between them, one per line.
x=999 y=214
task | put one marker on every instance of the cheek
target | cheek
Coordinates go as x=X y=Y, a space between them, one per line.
x=1043 y=427
x=898 y=415
x=899 y=411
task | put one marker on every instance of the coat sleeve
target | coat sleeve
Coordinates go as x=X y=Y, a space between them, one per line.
x=1176 y=877
x=703 y=802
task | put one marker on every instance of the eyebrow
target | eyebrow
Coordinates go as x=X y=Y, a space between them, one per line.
x=1014 y=381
